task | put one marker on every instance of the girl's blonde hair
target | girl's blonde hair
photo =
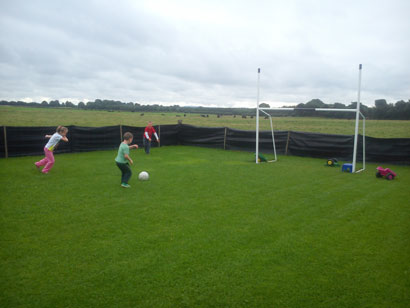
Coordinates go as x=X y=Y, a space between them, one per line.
x=61 y=129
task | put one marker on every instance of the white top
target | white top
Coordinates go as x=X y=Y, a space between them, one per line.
x=53 y=141
x=155 y=134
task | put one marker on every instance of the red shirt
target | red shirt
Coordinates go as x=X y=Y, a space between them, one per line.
x=150 y=131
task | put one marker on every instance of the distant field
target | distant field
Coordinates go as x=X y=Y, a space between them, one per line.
x=26 y=116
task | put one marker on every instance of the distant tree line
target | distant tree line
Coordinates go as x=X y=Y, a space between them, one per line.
x=382 y=110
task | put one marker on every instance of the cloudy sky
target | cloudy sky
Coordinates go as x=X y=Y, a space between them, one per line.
x=206 y=52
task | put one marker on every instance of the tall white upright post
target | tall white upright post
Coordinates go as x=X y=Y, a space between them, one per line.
x=356 y=131
x=257 y=119
x=364 y=143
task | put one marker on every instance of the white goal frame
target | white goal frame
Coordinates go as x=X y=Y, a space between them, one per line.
x=356 y=134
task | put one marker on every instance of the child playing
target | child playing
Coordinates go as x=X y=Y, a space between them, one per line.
x=123 y=159
x=48 y=161
x=147 y=137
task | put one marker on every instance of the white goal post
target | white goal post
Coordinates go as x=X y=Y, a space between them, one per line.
x=356 y=134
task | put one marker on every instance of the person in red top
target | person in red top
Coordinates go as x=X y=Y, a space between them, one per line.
x=147 y=137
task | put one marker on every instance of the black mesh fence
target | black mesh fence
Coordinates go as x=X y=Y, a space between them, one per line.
x=321 y=145
x=2 y=142
x=84 y=139
x=388 y=150
x=22 y=141
x=201 y=136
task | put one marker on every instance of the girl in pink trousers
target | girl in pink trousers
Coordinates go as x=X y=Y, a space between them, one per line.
x=48 y=161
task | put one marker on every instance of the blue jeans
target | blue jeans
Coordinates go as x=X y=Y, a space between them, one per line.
x=147 y=144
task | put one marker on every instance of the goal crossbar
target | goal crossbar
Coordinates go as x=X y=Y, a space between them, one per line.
x=310 y=109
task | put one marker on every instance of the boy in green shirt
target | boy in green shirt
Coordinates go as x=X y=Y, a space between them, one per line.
x=123 y=158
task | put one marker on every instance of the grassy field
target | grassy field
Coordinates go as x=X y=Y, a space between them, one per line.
x=25 y=116
x=209 y=229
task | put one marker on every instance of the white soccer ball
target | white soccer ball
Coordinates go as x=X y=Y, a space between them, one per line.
x=143 y=176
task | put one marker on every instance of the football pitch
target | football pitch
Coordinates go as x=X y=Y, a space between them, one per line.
x=209 y=229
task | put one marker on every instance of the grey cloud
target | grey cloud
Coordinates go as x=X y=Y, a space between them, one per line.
x=124 y=50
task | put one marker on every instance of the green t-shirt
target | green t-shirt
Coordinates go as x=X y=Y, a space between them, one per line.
x=122 y=150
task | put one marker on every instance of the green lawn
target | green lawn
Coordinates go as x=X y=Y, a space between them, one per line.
x=209 y=229
x=29 y=116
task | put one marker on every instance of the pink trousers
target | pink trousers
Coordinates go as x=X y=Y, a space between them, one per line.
x=47 y=161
